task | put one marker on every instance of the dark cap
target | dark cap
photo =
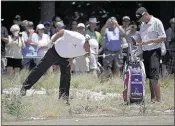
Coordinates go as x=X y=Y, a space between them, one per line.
x=30 y=24
x=140 y=12
x=46 y=23
x=17 y=17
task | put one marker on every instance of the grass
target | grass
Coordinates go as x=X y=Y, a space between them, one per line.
x=49 y=106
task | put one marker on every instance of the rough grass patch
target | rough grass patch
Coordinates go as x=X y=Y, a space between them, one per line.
x=49 y=106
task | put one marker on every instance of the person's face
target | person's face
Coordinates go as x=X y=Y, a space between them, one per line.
x=15 y=33
x=144 y=18
x=58 y=29
x=74 y=25
x=47 y=27
x=28 y=29
x=126 y=23
x=57 y=19
x=93 y=26
x=81 y=30
x=41 y=31
x=110 y=24
x=172 y=25
x=18 y=22
x=86 y=47
x=24 y=27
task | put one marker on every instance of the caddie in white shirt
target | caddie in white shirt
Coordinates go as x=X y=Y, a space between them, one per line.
x=153 y=35
x=67 y=45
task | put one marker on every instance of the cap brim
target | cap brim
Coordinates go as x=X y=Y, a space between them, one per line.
x=138 y=17
x=126 y=19
x=16 y=32
x=46 y=24
x=80 y=27
x=95 y=22
x=62 y=26
x=40 y=28
x=17 y=19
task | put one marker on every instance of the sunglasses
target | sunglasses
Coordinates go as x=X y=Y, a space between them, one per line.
x=47 y=25
x=15 y=31
x=41 y=29
x=126 y=21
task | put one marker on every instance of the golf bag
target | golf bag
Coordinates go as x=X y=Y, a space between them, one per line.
x=134 y=77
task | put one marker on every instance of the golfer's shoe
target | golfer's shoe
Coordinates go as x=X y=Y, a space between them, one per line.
x=65 y=99
x=22 y=91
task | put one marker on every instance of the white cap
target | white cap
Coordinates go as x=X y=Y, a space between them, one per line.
x=81 y=25
x=14 y=28
x=40 y=26
x=60 y=24
x=126 y=18
x=93 y=20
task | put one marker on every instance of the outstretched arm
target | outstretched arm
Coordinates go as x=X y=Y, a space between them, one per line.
x=57 y=35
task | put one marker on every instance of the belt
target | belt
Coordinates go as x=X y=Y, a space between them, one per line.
x=151 y=50
x=111 y=51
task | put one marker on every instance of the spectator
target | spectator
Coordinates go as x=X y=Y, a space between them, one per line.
x=30 y=51
x=95 y=41
x=14 y=48
x=170 y=32
x=44 y=43
x=76 y=16
x=17 y=20
x=113 y=34
x=81 y=64
x=132 y=32
x=4 y=41
x=152 y=34
x=125 y=23
x=24 y=24
x=55 y=19
x=73 y=25
x=47 y=29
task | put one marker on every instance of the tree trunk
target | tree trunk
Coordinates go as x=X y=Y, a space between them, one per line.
x=166 y=12
x=47 y=10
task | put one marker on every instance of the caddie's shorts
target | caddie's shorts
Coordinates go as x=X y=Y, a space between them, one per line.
x=152 y=63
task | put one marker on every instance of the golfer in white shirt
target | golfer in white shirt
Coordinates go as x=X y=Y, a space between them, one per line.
x=67 y=45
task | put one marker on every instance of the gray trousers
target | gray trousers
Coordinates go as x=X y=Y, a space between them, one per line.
x=113 y=60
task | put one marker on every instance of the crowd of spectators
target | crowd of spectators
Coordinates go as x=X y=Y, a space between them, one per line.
x=23 y=45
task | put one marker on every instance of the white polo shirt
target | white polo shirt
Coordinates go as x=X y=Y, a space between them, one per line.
x=70 y=45
x=44 y=40
x=151 y=30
